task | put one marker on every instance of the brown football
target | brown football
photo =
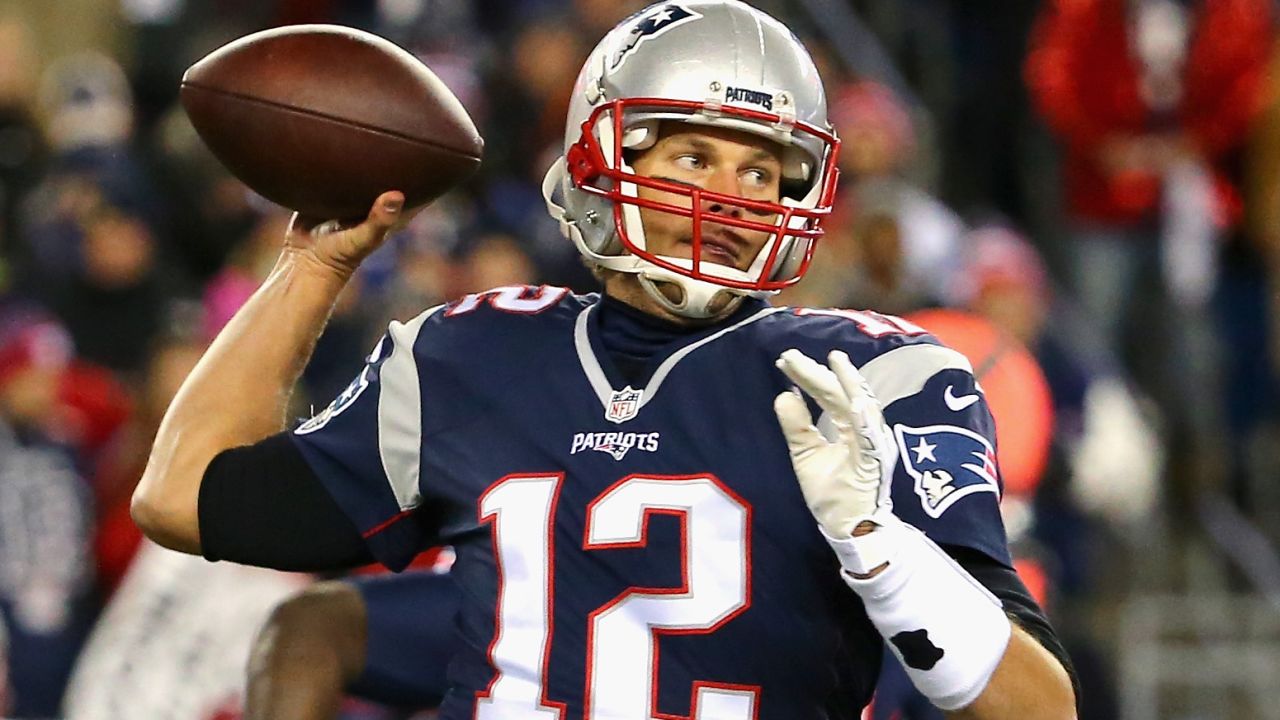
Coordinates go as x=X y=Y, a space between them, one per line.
x=322 y=119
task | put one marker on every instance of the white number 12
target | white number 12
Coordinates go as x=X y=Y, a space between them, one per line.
x=622 y=635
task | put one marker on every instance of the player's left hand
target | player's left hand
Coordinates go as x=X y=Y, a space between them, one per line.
x=844 y=481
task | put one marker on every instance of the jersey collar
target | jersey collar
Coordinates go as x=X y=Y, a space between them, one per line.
x=620 y=400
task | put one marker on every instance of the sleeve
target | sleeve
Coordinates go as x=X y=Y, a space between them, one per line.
x=366 y=447
x=411 y=639
x=947 y=481
x=261 y=505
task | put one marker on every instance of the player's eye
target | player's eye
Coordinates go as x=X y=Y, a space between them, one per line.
x=757 y=178
x=691 y=161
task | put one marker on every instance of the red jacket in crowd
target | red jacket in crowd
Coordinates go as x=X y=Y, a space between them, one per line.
x=1084 y=79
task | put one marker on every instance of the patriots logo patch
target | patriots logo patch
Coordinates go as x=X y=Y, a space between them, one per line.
x=652 y=25
x=347 y=397
x=344 y=400
x=947 y=463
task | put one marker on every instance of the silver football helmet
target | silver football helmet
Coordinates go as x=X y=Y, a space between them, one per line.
x=719 y=63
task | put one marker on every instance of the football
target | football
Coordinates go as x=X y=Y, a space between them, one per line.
x=323 y=118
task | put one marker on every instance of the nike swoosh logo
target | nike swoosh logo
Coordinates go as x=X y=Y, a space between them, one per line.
x=957 y=403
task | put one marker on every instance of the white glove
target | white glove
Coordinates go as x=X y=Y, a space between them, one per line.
x=845 y=477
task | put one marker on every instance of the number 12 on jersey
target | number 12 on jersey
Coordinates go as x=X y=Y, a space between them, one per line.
x=622 y=645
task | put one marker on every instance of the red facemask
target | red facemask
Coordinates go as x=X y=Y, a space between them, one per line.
x=782 y=264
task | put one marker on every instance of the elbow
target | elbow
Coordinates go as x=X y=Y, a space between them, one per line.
x=171 y=524
x=1068 y=703
x=1058 y=693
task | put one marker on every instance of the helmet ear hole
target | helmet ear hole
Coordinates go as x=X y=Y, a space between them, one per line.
x=640 y=136
x=793 y=189
x=797 y=173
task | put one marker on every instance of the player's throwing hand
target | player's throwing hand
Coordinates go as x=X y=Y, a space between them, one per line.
x=340 y=247
x=844 y=481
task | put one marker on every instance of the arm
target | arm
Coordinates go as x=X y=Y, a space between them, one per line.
x=952 y=635
x=255 y=360
x=310 y=650
x=1029 y=682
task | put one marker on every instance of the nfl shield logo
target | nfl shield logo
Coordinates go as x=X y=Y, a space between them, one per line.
x=623 y=405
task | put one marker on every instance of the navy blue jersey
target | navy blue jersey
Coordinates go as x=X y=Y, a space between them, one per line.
x=642 y=549
x=409 y=639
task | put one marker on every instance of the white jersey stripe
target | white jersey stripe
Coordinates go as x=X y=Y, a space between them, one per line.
x=590 y=365
x=400 y=412
x=903 y=372
x=669 y=364
x=600 y=383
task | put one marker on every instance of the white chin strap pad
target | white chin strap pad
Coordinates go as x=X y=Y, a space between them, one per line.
x=696 y=295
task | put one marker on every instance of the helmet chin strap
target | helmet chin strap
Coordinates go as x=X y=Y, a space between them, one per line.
x=699 y=300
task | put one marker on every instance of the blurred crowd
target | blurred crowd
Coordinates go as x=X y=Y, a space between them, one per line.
x=1083 y=196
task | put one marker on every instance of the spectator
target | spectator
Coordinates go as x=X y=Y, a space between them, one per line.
x=212 y=211
x=1151 y=101
x=92 y=230
x=247 y=264
x=897 y=245
x=417 y=267
x=173 y=642
x=1100 y=419
x=45 y=511
x=113 y=302
x=879 y=140
x=120 y=465
x=496 y=261
x=1249 y=313
x=529 y=91
x=21 y=143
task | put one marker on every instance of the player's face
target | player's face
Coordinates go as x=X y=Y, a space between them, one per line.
x=731 y=162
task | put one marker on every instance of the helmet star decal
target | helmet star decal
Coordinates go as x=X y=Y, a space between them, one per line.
x=651 y=25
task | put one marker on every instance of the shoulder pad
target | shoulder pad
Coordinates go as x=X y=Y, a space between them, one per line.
x=895 y=355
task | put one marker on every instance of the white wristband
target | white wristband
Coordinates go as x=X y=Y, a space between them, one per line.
x=948 y=631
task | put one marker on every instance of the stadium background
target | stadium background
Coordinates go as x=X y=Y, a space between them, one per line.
x=1096 y=181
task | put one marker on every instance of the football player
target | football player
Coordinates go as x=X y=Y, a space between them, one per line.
x=631 y=480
